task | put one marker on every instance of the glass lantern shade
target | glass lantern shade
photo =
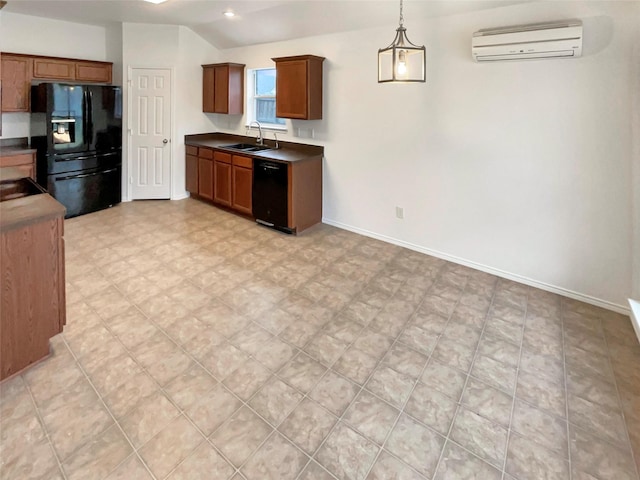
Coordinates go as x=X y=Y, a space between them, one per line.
x=402 y=61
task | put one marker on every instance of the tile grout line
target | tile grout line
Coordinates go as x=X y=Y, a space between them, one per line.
x=620 y=406
x=44 y=427
x=515 y=388
x=566 y=387
x=466 y=381
x=361 y=387
x=134 y=450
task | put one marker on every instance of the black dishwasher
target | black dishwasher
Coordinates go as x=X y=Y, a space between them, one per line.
x=270 y=185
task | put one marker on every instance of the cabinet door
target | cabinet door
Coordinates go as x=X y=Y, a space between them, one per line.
x=242 y=186
x=16 y=83
x=222 y=176
x=93 y=72
x=221 y=89
x=208 y=84
x=191 y=174
x=291 y=89
x=53 y=69
x=205 y=178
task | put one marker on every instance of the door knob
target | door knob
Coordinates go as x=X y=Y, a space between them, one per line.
x=165 y=141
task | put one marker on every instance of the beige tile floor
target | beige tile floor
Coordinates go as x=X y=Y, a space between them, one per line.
x=201 y=346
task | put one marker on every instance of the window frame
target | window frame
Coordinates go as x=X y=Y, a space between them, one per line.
x=252 y=103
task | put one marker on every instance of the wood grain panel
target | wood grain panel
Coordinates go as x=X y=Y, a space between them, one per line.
x=208 y=85
x=222 y=180
x=305 y=193
x=50 y=68
x=32 y=293
x=205 y=178
x=191 y=174
x=242 y=189
x=16 y=83
x=93 y=72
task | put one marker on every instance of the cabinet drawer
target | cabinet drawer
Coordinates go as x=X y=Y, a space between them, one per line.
x=205 y=153
x=192 y=150
x=13 y=160
x=240 y=161
x=222 y=157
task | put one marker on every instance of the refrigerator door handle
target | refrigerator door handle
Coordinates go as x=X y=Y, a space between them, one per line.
x=73 y=158
x=89 y=117
x=84 y=175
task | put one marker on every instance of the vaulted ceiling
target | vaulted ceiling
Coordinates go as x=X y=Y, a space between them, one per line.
x=256 y=21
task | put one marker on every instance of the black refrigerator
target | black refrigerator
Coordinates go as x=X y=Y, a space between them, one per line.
x=79 y=144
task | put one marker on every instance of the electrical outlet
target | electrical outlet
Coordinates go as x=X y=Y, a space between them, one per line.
x=399 y=213
x=305 y=132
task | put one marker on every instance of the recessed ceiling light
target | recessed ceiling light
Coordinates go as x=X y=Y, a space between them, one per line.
x=155 y=1
x=229 y=14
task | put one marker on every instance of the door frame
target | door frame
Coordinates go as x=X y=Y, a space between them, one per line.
x=127 y=167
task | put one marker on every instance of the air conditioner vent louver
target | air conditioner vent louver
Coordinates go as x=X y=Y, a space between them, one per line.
x=534 y=41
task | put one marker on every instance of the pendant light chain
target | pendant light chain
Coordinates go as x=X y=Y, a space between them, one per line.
x=401 y=16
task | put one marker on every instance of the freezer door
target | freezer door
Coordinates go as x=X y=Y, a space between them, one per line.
x=87 y=191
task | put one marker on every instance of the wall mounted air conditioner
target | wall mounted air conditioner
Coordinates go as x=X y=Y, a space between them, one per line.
x=522 y=42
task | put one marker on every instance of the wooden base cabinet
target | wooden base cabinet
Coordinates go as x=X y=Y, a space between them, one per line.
x=33 y=292
x=191 y=170
x=242 y=183
x=25 y=162
x=205 y=173
x=223 y=176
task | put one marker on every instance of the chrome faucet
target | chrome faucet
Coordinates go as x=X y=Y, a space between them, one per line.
x=276 y=138
x=259 y=137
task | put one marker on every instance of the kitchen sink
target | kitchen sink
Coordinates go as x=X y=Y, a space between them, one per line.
x=247 y=147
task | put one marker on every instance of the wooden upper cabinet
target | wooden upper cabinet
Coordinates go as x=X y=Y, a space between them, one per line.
x=299 y=87
x=19 y=70
x=53 y=69
x=99 y=72
x=223 y=88
x=16 y=82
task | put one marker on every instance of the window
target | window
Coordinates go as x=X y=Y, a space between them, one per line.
x=262 y=98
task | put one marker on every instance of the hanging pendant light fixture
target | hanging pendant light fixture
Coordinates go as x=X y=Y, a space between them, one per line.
x=402 y=61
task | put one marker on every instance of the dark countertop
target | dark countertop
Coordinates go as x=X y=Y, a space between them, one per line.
x=20 y=212
x=288 y=151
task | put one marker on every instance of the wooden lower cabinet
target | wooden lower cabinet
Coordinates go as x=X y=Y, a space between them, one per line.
x=33 y=292
x=205 y=173
x=191 y=170
x=222 y=172
x=25 y=162
x=242 y=184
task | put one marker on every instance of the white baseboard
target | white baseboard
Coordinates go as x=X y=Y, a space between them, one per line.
x=182 y=196
x=484 y=268
x=635 y=316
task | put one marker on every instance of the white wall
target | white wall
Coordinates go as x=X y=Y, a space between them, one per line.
x=522 y=169
x=43 y=36
x=181 y=50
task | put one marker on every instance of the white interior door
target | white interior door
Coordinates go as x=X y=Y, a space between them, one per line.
x=150 y=139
